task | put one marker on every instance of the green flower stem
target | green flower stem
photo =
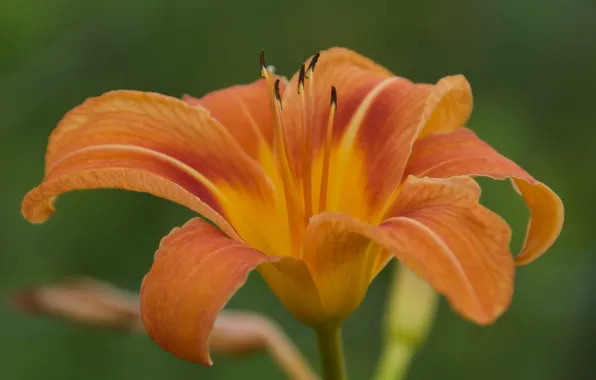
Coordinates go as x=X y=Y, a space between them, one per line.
x=395 y=361
x=410 y=313
x=331 y=352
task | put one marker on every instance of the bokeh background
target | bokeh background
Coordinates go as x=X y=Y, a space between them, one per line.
x=532 y=67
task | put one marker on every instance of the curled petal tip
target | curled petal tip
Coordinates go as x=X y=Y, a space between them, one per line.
x=448 y=107
x=546 y=222
x=463 y=153
x=36 y=211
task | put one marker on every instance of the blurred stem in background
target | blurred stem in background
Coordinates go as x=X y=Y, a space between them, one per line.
x=410 y=313
x=331 y=352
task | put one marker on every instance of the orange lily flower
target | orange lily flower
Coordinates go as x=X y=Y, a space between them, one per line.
x=317 y=183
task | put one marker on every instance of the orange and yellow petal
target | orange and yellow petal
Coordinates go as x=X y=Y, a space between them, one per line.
x=388 y=122
x=378 y=118
x=353 y=76
x=378 y=140
x=360 y=82
x=341 y=261
x=441 y=232
x=197 y=268
x=463 y=153
x=368 y=161
x=137 y=134
x=291 y=280
x=120 y=167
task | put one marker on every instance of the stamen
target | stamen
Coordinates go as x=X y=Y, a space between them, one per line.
x=306 y=106
x=327 y=151
x=280 y=147
x=306 y=149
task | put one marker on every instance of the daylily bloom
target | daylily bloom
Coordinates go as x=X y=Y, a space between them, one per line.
x=317 y=182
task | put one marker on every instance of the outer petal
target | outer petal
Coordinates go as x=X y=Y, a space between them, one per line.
x=292 y=282
x=447 y=238
x=151 y=143
x=159 y=123
x=463 y=153
x=196 y=270
x=341 y=261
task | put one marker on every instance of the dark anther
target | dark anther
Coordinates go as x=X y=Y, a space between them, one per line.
x=262 y=59
x=301 y=76
x=313 y=62
x=333 y=96
x=277 y=94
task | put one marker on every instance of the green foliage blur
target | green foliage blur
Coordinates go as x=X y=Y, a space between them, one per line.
x=532 y=67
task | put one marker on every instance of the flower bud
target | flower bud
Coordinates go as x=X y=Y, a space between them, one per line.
x=94 y=303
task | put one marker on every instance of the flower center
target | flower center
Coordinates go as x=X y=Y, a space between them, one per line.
x=300 y=208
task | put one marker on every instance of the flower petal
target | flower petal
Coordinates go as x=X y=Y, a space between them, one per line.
x=467 y=238
x=378 y=118
x=359 y=82
x=463 y=153
x=196 y=270
x=156 y=122
x=245 y=111
x=121 y=138
x=384 y=128
x=372 y=154
x=445 y=236
x=353 y=76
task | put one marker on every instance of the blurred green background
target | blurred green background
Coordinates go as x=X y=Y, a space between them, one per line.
x=532 y=67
